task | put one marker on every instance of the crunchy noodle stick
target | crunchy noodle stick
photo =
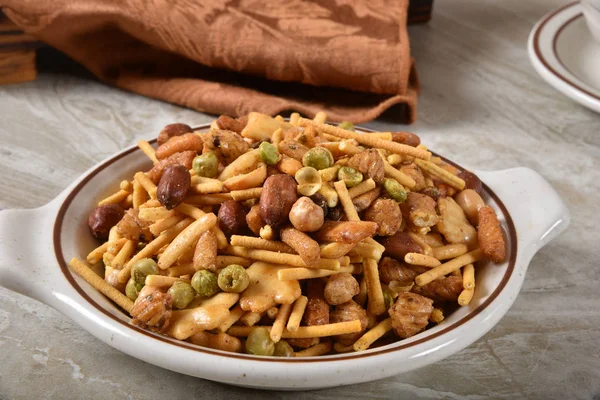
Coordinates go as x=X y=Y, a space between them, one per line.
x=376 y=305
x=246 y=194
x=450 y=251
x=469 y=276
x=277 y=137
x=427 y=250
x=329 y=174
x=223 y=261
x=207 y=188
x=319 y=118
x=349 y=148
x=297 y=313
x=372 y=335
x=421 y=259
x=115 y=198
x=433 y=239
x=448 y=267
x=155 y=213
x=282 y=258
x=342 y=191
x=294 y=118
x=153 y=247
x=292 y=274
x=361 y=188
x=96 y=255
x=361 y=297
x=258 y=243
x=124 y=254
x=151 y=203
x=280 y=321
x=148 y=185
x=181 y=269
x=330 y=195
x=163 y=281
x=148 y=150
x=340 y=348
x=441 y=173
x=139 y=195
x=251 y=318
x=272 y=312
x=126 y=185
x=185 y=240
x=162 y=225
x=367 y=140
x=437 y=315
x=208 y=199
x=100 y=284
x=465 y=297
x=336 y=249
x=221 y=238
x=189 y=210
x=316 y=350
x=304 y=332
x=398 y=175
x=394 y=159
x=115 y=246
x=366 y=250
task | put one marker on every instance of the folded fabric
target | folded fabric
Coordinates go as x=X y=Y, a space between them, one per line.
x=348 y=57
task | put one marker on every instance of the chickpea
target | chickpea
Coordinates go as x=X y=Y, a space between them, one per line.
x=283 y=349
x=205 y=283
x=206 y=165
x=318 y=158
x=141 y=269
x=306 y=216
x=182 y=294
x=233 y=279
x=350 y=176
x=395 y=190
x=268 y=153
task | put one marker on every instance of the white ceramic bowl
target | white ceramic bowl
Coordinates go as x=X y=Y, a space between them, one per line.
x=35 y=244
x=591 y=11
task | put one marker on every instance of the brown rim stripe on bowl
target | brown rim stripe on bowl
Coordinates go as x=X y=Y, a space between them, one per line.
x=338 y=357
x=538 y=52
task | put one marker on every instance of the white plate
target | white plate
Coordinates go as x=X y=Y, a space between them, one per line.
x=566 y=55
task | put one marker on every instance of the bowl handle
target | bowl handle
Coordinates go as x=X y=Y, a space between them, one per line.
x=27 y=262
x=538 y=212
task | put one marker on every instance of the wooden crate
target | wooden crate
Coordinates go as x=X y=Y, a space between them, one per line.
x=17 y=53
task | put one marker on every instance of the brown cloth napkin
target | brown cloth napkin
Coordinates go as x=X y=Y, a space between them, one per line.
x=348 y=57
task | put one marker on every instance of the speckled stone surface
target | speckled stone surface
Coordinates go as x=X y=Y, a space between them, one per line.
x=482 y=104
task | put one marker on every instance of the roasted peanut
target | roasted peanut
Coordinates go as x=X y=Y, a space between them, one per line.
x=406 y=138
x=187 y=141
x=415 y=173
x=172 y=130
x=184 y=158
x=173 y=186
x=227 y=123
x=386 y=213
x=232 y=218
x=489 y=233
x=254 y=220
x=369 y=163
x=340 y=288
x=398 y=245
x=349 y=311
x=346 y=231
x=470 y=201
x=104 y=217
x=472 y=181
x=277 y=198
x=205 y=254
x=306 y=216
x=307 y=248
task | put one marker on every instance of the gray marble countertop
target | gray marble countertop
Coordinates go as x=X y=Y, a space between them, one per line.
x=481 y=103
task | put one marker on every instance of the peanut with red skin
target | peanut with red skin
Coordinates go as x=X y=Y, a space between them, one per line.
x=173 y=186
x=232 y=218
x=172 y=130
x=104 y=217
x=277 y=198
